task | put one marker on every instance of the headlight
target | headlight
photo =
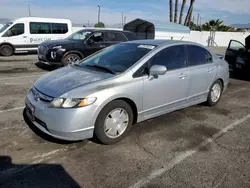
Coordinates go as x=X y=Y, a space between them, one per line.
x=71 y=103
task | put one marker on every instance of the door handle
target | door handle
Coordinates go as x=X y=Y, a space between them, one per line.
x=24 y=36
x=182 y=76
x=102 y=46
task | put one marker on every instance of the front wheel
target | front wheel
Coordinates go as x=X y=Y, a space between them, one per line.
x=215 y=93
x=114 y=122
x=6 y=50
x=70 y=59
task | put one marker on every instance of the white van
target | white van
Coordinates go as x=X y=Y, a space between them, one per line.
x=25 y=34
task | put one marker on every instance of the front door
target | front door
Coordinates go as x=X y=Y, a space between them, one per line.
x=16 y=35
x=203 y=70
x=167 y=92
x=236 y=52
x=95 y=43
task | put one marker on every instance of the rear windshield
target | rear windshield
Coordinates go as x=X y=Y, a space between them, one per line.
x=118 y=57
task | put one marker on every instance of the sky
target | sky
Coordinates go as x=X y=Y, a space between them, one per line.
x=82 y=11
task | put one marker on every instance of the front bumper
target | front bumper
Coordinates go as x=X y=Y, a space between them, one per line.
x=66 y=124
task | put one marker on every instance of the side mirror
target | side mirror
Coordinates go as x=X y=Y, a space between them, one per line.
x=157 y=70
x=90 y=41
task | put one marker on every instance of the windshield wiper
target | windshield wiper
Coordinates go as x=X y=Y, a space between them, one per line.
x=102 y=68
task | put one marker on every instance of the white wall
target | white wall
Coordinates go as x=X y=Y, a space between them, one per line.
x=221 y=38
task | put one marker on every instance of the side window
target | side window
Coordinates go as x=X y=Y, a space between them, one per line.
x=236 y=45
x=130 y=36
x=172 y=57
x=40 y=28
x=98 y=37
x=116 y=37
x=15 y=30
x=59 y=28
x=198 y=55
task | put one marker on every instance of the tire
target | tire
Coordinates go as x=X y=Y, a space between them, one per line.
x=6 y=50
x=212 y=99
x=103 y=132
x=70 y=59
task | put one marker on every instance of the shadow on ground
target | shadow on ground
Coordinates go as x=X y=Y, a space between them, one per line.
x=46 y=67
x=33 y=175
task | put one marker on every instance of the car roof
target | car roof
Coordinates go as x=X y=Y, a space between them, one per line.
x=159 y=42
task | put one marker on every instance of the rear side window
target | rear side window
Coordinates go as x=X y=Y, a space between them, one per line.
x=130 y=36
x=59 y=28
x=15 y=30
x=198 y=55
x=40 y=28
x=116 y=37
x=172 y=57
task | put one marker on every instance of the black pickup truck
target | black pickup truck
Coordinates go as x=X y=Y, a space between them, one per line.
x=238 y=56
x=80 y=45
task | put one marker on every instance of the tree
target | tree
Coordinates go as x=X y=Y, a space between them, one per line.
x=176 y=11
x=216 y=25
x=190 y=9
x=171 y=10
x=182 y=9
x=100 y=25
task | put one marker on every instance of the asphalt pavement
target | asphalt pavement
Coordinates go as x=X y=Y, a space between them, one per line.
x=198 y=147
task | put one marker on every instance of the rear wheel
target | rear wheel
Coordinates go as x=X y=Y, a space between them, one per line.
x=215 y=93
x=6 y=50
x=70 y=59
x=114 y=122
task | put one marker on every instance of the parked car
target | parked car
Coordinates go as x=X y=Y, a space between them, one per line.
x=122 y=85
x=238 y=56
x=25 y=34
x=80 y=45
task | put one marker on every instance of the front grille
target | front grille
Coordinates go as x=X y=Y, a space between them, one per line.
x=41 y=96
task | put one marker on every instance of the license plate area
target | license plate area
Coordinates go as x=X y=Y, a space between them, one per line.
x=30 y=110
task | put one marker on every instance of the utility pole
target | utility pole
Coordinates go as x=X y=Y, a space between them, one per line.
x=29 y=10
x=198 y=17
x=122 y=19
x=200 y=22
x=99 y=10
x=193 y=19
x=88 y=23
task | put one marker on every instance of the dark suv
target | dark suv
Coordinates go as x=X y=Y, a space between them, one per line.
x=80 y=45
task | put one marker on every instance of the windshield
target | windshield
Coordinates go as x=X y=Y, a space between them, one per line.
x=117 y=58
x=79 y=35
x=5 y=26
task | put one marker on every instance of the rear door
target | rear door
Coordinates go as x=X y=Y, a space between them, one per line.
x=235 y=51
x=114 y=37
x=202 y=72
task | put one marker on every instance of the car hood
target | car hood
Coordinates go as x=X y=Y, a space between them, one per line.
x=52 y=43
x=63 y=80
x=247 y=42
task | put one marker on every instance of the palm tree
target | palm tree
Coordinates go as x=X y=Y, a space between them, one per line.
x=170 y=10
x=190 y=9
x=176 y=11
x=213 y=25
x=182 y=9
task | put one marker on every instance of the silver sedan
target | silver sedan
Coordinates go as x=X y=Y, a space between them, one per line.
x=109 y=91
